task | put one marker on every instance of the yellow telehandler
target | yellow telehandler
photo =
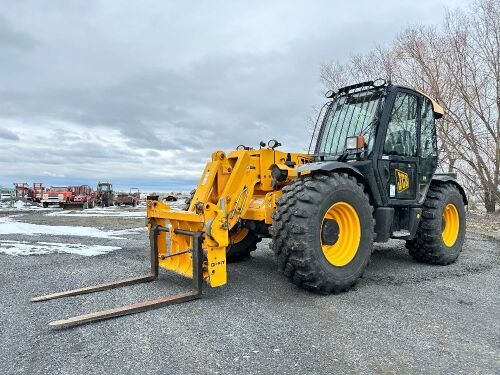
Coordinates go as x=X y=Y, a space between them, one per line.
x=371 y=176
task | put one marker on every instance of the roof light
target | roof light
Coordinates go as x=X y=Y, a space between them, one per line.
x=330 y=94
x=379 y=82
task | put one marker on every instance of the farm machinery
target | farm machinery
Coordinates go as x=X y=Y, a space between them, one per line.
x=69 y=197
x=23 y=191
x=105 y=195
x=8 y=195
x=370 y=176
x=81 y=197
x=130 y=199
x=38 y=190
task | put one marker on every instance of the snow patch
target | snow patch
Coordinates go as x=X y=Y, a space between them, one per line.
x=22 y=206
x=99 y=212
x=20 y=248
x=10 y=226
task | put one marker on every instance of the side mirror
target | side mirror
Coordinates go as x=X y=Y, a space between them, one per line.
x=262 y=144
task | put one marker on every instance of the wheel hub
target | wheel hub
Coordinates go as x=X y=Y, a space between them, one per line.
x=340 y=234
x=329 y=232
x=451 y=225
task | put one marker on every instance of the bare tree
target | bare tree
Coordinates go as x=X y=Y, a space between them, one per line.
x=459 y=65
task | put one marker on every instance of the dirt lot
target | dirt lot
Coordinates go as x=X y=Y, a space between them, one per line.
x=403 y=317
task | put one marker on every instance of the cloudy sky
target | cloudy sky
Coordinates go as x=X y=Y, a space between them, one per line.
x=142 y=92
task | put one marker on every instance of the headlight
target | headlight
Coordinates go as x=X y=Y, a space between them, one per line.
x=379 y=82
x=354 y=143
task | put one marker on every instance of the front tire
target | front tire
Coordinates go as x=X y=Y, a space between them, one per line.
x=322 y=232
x=241 y=244
x=441 y=231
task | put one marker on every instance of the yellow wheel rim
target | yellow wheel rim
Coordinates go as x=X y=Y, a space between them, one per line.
x=238 y=236
x=345 y=244
x=451 y=225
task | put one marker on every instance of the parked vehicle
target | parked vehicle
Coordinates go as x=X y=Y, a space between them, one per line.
x=37 y=192
x=81 y=196
x=7 y=194
x=23 y=191
x=56 y=195
x=130 y=199
x=105 y=194
x=371 y=177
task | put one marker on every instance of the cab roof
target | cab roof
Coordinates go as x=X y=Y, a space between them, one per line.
x=437 y=109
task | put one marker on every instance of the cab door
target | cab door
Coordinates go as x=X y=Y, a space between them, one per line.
x=428 y=150
x=399 y=162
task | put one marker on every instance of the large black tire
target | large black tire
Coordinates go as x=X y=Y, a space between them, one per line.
x=296 y=231
x=241 y=250
x=428 y=245
x=45 y=205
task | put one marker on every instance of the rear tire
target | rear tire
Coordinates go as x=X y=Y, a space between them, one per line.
x=298 y=232
x=45 y=205
x=429 y=245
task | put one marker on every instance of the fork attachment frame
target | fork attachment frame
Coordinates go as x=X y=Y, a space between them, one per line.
x=195 y=293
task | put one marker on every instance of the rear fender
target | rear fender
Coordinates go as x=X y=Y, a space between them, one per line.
x=450 y=178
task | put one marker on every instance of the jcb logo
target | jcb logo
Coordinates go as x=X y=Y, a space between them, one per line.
x=402 y=181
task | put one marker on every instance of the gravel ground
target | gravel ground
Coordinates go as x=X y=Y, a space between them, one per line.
x=402 y=317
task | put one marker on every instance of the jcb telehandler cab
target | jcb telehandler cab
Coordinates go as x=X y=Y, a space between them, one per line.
x=370 y=178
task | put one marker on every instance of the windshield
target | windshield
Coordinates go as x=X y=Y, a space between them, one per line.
x=103 y=188
x=350 y=115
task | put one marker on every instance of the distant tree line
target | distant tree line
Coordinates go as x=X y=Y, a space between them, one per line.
x=458 y=64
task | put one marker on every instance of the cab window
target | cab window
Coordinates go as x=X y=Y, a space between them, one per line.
x=401 y=138
x=428 y=143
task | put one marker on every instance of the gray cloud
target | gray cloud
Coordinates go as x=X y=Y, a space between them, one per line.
x=7 y=134
x=14 y=40
x=147 y=93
